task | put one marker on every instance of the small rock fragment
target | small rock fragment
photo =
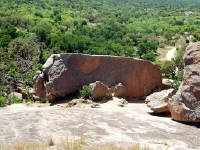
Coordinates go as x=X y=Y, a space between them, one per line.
x=100 y=90
x=95 y=105
x=120 y=90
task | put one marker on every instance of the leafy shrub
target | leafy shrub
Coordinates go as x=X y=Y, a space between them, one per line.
x=16 y=100
x=2 y=89
x=3 y=101
x=175 y=84
x=168 y=69
x=25 y=47
x=86 y=92
x=109 y=97
x=149 y=56
x=4 y=40
x=177 y=81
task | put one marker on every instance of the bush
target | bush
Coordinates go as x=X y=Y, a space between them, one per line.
x=175 y=84
x=5 y=40
x=2 y=89
x=16 y=100
x=25 y=47
x=86 y=92
x=168 y=69
x=3 y=101
x=149 y=56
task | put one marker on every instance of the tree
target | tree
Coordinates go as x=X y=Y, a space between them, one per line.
x=149 y=56
x=75 y=23
x=42 y=32
x=147 y=47
x=24 y=47
x=5 y=40
x=84 y=23
x=58 y=18
x=168 y=69
x=8 y=29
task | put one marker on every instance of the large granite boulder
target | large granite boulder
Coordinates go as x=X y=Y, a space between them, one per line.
x=158 y=101
x=185 y=105
x=64 y=74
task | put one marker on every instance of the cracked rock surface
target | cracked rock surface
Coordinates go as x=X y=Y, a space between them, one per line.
x=185 y=105
x=108 y=124
x=65 y=74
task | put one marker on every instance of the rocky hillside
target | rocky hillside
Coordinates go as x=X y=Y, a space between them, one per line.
x=30 y=31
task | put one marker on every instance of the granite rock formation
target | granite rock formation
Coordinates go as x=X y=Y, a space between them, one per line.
x=64 y=74
x=185 y=105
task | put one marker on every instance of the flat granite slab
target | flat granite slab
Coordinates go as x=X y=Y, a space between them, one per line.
x=109 y=124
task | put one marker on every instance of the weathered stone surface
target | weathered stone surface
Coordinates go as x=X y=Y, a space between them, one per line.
x=73 y=102
x=107 y=125
x=158 y=101
x=167 y=83
x=185 y=105
x=100 y=90
x=120 y=90
x=39 y=85
x=95 y=105
x=64 y=74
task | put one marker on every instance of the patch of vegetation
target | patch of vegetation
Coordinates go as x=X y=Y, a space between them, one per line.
x=79 y=144
x=85 y=92
x=174 y=69
x=30 y=31
x=177 y=81
x=3 y=101
x=2 y=90
x=16 y=100
x=109 y=97
x=70 y=105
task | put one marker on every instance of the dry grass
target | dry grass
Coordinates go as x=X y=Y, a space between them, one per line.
x=135 y=147
x=65 y=145
x=25 y=146
x=73 y=144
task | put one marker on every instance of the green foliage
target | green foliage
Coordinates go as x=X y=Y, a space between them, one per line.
x=109 y=96
x=149 y=56
x=85 y=92
x=25 y=47
x=2 y=89
x=168 y=69
x=8 y=29
x=175 y=84
x=69 y=105
x=174 y=69
x=180 y=75
x=16 y=100
x=7 y=33
x=42 y=31
x=147 y=46
x=30 y=31
x=4 y=40
x=3 y=101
